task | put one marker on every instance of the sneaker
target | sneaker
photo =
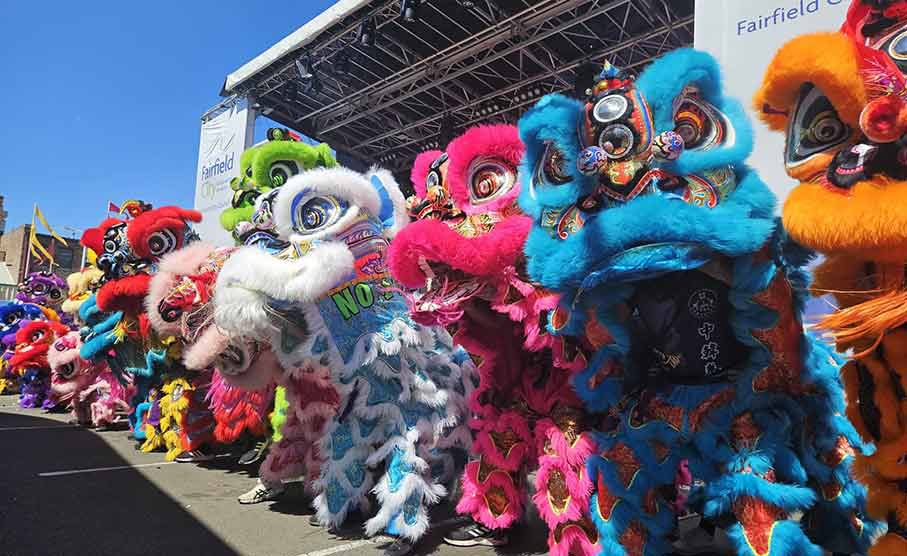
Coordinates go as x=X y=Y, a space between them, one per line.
x=400 y=547
x=257 y=453
x=313 y=521
x=193 y=456
x=262 y=493
x=476 y=534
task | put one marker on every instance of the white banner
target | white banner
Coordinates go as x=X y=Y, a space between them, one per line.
x=224 y=137
x=744 y=36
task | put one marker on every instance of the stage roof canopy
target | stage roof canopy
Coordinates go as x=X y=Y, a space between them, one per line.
x=458 y=63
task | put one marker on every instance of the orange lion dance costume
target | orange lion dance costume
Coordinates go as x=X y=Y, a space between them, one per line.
x=842 y=100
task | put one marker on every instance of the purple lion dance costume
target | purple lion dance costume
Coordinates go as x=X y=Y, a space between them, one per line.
x=42 y=288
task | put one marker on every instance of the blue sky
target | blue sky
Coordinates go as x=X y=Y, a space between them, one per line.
x=101 y=100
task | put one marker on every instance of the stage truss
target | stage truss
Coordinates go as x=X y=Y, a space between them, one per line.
x=461 y=63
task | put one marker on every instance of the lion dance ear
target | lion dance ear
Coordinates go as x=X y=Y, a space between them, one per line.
x=93 y=238
x=157 y=232
x=393 y=213
x=279 y=134
x=419 y=174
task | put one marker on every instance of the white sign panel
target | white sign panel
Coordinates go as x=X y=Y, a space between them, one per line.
x=224 y=137
x=744 y=36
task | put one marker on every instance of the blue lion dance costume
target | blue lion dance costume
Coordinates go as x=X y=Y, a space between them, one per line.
x=649 y=223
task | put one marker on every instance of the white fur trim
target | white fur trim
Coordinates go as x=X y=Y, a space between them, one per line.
x=339 y=182
x=302 y=280
x=401 y=218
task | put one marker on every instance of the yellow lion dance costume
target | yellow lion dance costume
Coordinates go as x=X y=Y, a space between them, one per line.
x=841 y=98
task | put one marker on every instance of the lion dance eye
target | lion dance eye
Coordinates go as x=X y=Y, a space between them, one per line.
x=162 y=242
x=690 y=124
x=826 y=128
x=36 y=336
x=554 y=166
x=700 y=125
x=489 y=179
x=281 y=171
x=316 y=213
x=610 y=108
x=617 y=141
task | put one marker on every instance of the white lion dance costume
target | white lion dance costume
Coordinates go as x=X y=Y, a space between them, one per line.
x=328 y=301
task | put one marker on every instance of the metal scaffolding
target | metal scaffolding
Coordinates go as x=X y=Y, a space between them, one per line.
x=461 y=62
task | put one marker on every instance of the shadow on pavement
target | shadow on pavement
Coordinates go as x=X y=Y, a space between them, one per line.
x=105 y=513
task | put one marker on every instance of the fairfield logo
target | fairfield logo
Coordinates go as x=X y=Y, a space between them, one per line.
x=218 y=167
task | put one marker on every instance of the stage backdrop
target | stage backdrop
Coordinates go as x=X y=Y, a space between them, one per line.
x=225 y=135
x=744 y=35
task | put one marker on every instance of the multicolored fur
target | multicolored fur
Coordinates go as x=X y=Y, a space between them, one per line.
x=648 y=223
x=465 y=255
x=117 y=328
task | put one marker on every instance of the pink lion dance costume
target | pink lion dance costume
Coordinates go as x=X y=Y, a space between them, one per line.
x=180 y=303
x=94 y=396
x=465 y=252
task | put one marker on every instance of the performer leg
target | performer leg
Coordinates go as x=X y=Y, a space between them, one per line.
x=563 y=488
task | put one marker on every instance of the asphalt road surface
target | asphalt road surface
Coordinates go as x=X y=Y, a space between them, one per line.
x=69 y=491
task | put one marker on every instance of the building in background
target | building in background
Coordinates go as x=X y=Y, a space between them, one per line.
x=3 y=215
x=14 y=252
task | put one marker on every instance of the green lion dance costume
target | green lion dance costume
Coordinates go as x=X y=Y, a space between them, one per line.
x=262 y=170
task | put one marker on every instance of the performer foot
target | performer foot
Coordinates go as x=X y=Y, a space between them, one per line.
x=194 y=456
x=353 y=516
x=262 y=493
x=476 y=534
x=400 y=547
x=256 y=453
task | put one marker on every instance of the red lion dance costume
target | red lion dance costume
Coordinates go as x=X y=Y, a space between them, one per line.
x=465 y=252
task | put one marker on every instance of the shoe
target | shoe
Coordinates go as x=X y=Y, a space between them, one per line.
x=193 y=456
x=400 y=547
x=257 y=453
x=313 y=521
x=262 y=493
x=476 y=534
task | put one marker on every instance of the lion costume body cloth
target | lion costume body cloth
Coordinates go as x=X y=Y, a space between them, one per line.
x=647 y=220
x=465 y=253
x=841 y=98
